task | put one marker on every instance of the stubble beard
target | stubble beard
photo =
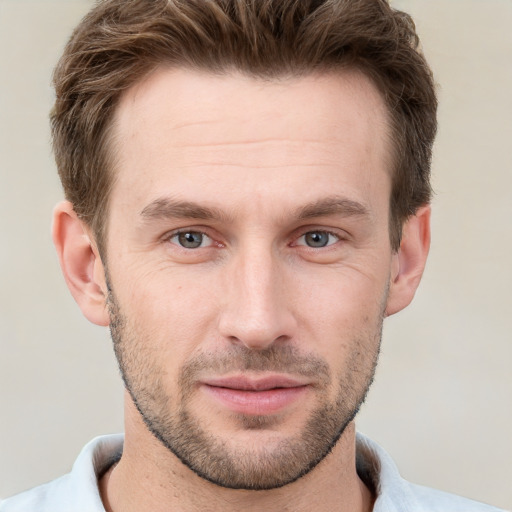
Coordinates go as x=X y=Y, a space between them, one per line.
x=211 y=457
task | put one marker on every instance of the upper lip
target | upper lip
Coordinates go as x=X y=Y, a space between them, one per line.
x=263 y=383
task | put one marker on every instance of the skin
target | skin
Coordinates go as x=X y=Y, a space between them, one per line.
x=274 y=163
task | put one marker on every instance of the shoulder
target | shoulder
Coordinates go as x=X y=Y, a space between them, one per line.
x=39 y=498
x=80 y=486
x=395 y=494
x=433 y=500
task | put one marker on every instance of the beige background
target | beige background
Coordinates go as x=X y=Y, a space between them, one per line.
x=442 y=399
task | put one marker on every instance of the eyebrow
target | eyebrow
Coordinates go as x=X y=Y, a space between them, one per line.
x=332 y=206
x=168 y=208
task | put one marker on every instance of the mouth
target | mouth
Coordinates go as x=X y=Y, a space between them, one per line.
x=255 y=396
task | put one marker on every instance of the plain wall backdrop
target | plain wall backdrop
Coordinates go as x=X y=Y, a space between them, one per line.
x=441 y=402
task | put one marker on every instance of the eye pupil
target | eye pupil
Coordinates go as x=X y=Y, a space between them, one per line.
x=190 y=240
x=317 y=239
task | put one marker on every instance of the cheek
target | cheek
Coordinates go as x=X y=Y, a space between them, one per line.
x=171 y=309
x=340 y=314
x=341 y=294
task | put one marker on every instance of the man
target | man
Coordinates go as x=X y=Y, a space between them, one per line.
x=247 y=199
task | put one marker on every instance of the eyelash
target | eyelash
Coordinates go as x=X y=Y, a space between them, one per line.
x=176 y=234
x=318 y=231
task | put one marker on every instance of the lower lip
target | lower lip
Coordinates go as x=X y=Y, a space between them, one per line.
x=269 y=401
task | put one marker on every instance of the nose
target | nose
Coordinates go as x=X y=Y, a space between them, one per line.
x=256 y=310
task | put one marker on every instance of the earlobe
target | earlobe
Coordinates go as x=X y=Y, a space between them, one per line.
x=80 y=263
x=409 y=262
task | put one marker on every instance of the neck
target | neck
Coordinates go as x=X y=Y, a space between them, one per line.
x=150 y=478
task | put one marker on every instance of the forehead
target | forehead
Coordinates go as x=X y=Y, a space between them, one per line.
x=182 y=126
x=184 y=100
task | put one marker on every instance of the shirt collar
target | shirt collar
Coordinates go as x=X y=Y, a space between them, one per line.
x=374 y=466
x=378 y=471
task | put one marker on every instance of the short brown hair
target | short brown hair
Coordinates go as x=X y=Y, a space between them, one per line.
x=119 y=42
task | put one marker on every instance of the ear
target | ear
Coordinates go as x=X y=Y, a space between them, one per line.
x=409 y=262
x=80 y=263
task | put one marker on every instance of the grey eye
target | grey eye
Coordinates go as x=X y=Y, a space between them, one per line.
x=316 y=238
x=190 y=239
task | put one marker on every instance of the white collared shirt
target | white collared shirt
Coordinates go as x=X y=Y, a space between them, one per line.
x=78 y=490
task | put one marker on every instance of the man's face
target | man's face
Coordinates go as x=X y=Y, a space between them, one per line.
x=249 y=263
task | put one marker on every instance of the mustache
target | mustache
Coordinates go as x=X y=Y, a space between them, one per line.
x=277 y=358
